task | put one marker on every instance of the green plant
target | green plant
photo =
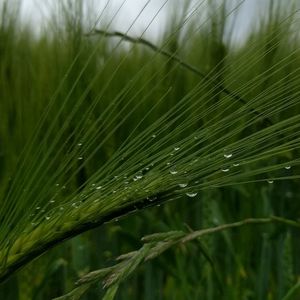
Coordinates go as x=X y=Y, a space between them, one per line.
x=128 y=128
x=154 y=245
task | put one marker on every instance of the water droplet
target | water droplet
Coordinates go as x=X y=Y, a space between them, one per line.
x=47 y=218
x=196 y=137
x=80 y=158
x=173 y=171
x=287 y=167
x=57 y=184
x=151 y=199
x=176 y=148
x=99 y=187
x=153 y=136
x=182 y=185
x=79 y=144
x=139 y=176
x=225 y=169
x=52 y=201
x=236 y=164
x=191 y=194
x=270 y=181
x=38 y=207
x=61 y=208
x=227 y=155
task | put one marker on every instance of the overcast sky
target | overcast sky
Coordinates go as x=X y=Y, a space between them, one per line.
x=37 y=11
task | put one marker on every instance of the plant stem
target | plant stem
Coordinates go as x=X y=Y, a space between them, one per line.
x=178 y=60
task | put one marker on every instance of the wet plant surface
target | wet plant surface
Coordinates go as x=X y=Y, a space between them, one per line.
x=141 y=168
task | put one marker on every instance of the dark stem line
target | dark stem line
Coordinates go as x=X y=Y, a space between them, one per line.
x=37 y=250
x=175 y=240
x=178 y=60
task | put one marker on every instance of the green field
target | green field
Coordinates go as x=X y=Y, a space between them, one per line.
x=177 y=155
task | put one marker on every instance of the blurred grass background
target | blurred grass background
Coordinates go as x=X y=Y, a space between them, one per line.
x=260 y=262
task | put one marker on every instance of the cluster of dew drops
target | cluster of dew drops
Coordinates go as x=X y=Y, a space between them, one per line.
x=138 y=176
x=39 y=211
x=228 y=155
x=173 y=171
